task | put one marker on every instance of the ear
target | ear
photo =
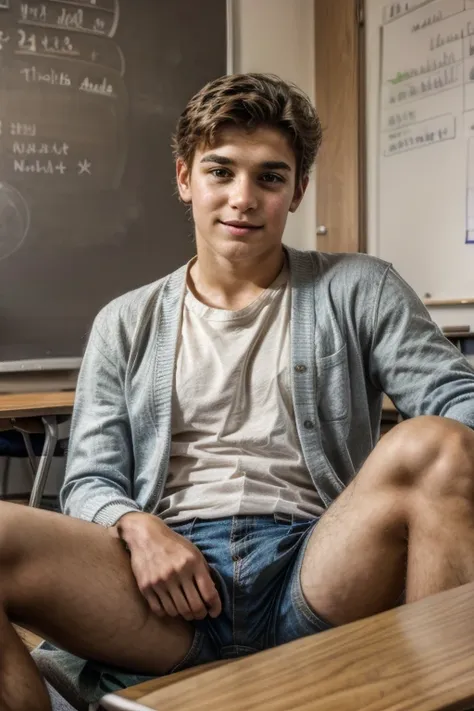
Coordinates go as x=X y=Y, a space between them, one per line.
x=183 y=180
x=299 y=194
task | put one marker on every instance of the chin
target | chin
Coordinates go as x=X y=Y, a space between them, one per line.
x=240 y=250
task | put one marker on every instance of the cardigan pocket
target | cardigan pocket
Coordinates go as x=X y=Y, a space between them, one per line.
x=333 y=389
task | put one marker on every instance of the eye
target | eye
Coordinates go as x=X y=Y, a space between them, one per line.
x=220 y=173
x=272 y=178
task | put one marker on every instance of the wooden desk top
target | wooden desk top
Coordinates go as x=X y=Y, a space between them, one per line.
x=19 y=405
x=418 y=656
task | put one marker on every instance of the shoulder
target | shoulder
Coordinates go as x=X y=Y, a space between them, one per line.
x=127 y=307
x=121 y=317
x=332 y=264
x=346 y=270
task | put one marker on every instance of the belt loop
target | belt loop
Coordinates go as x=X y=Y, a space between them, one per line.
x=283 y=518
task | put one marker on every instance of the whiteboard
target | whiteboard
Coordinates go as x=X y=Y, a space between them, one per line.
x=420 y=59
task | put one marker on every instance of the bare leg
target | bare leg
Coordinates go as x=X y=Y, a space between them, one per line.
x=21 y=687
x=71 y=582
x=406 y=522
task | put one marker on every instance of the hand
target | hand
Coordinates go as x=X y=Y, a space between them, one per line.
x=171 y=573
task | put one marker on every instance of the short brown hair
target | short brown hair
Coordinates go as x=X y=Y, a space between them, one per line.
x=250 y=101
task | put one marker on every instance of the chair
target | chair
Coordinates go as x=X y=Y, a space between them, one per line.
x=58 y=703
x=54 y=664
x=24 y=438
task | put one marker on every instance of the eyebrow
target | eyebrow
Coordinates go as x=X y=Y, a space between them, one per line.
x=222 y=160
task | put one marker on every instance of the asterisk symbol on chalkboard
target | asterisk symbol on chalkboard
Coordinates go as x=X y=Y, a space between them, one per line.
x=84 y=167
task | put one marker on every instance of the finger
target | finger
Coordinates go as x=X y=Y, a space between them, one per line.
x=208 y=592
x=195 y=601
x=166 y=601
x=180 y=601
x=154 y=603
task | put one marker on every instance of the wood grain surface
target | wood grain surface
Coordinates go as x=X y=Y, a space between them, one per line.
x=418 y=657
x=36 y=404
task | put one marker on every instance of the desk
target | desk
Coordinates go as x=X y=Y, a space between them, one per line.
x=17 y=408
x=417 y=656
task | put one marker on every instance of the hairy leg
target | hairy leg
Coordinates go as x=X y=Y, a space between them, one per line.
x=406 y=522
x=21 y=687
x=71 y=582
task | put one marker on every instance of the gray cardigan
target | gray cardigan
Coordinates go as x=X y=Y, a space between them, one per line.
x=357 y=330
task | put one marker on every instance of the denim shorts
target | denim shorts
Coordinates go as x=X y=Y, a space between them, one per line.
x=256 y=563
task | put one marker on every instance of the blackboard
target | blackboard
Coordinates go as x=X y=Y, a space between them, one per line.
x=90 y=91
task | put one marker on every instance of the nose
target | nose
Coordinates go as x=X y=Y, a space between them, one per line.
x=243 y=195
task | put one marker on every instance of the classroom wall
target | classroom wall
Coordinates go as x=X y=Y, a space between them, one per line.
x=278 y=36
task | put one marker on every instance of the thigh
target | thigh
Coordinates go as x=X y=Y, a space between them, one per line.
x=354 y=564
x=71 y=582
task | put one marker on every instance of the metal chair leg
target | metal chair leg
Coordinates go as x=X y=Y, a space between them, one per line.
x=31 y=454
x=4 y=478
x=51 y=438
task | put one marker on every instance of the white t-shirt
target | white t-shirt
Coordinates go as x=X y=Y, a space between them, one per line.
x=235 y=448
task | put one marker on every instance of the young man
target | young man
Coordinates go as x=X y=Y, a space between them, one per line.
x=222 y=414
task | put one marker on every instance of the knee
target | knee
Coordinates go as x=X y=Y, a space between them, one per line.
x=436 y=455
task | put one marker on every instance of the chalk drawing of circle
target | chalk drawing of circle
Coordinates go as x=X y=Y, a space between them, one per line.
x=14 y=220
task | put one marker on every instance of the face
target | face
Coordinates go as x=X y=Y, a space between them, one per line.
x=241 y=190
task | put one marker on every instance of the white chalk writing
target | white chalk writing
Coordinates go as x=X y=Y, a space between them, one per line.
x=23 y=129
x=47 y=167
x=29 y=148
x=102 y=87
x=36 y=13
x=51 y=44
x=99 y=26
x=71 y=20
x=32 y=74
x=83 y=17
x=27 y=42
x=4 y=39
x=86 y=3
x=57 y=45
x=84 y=167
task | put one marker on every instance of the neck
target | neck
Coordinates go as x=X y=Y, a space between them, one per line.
x=223 y=284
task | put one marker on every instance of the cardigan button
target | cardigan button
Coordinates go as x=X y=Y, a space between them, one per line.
x=301 y=368
x=309 y=424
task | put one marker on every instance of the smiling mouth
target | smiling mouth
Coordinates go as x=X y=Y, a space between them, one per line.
x=241 y=225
